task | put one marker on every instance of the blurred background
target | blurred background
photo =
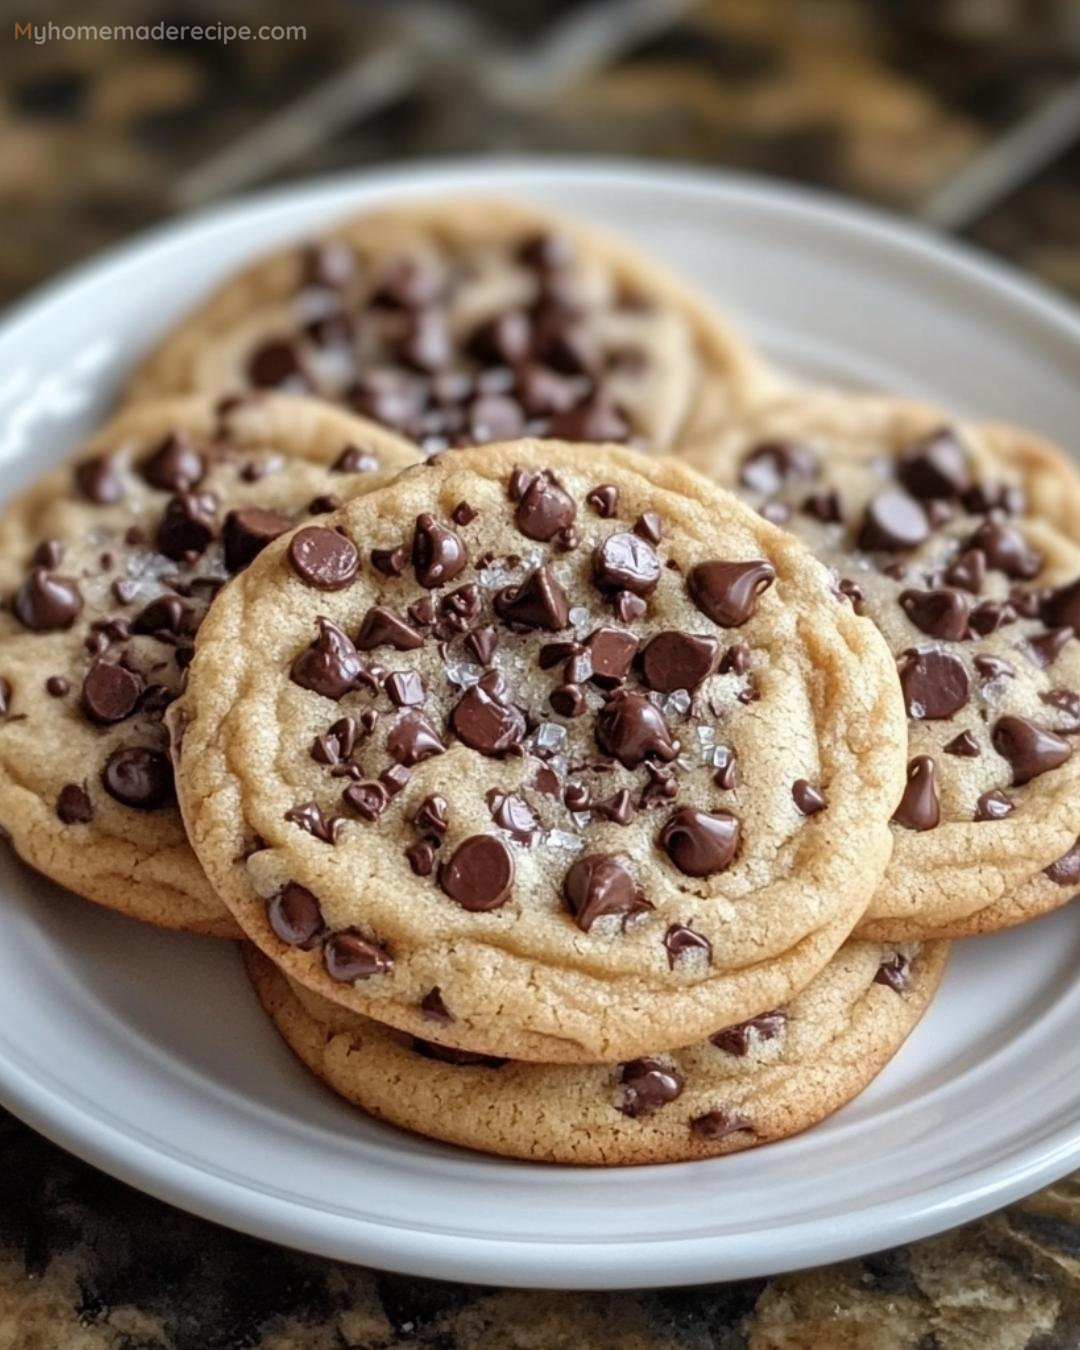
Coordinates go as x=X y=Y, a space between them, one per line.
x=964 y=113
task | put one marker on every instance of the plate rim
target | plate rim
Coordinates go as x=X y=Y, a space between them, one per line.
x=537 y=1263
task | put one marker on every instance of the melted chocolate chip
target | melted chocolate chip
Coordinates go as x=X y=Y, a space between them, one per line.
x=405 y=688
x=348 y=956
x=604 y=500
x=175 y=466
x=809 y=799
x=188 y=526
x=323 y=559
x=935 y=684
x=545 y=509
x=98 y=480
x=485 y=719
x=73 y=805
x=294 y=915
x=450 y=1054
x=337 y=743
x=49 y=554
x=330 y=666
x=623 y=562
x=943 y=614
x=965 y=746
x=617 y=808
x=715 y=1125
x=968 y=571
x=936 y=466
x=166 y=615
x=728 y=592
x=700 y=843
x=434 y=1009
x=248 y=531
x=139 y=778
x=311 y=818
x=1065 y=871
x=649 y=527
x=681 y=941
x=675 y=660
x=893 y=520
x=1006 y=550
x=45 y=602
x=438 y=555
x=110 y=692
x=1030 y=749
x=513 y=814
x=628 y=607
x=568 y=700
x=631 y=729
x=993 y=667
x=728 y=775
x=602 y=884
x=772 y=464
x=412 y=739
x=432 y=816
x=481 y=644
x=920 y=806
x=421 y=857
x=646 y=1085
x=1045 y=649
x=993 y=806
x=1061 y=607
x=539 y=602
x=1066 y=702
x=479 y=874
x=383 y=628
x=894 y=973
x=368 y=800
x=611 y=653
x=739 y=1039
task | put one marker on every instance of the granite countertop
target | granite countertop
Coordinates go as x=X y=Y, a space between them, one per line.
x=893 y=103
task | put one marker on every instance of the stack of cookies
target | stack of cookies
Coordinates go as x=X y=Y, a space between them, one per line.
x=594 y=740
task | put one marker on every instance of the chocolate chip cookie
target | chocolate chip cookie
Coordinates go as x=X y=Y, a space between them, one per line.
x=927 y=526
x=107 y=566
x=466 y=321
x=746 y=1085
x=563 y=743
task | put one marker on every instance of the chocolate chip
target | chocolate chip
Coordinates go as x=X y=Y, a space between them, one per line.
x=175 y=466
x=1006 y=550
x=548 y=251
x=486 y=720
x=770 y=465
x=167 y=614
x=356 y=459
x=681 y=941
x=98 y=480
x=73 y=805
x=602 y=884
x=368 y=800
x=943 y=614
x=1045 y=649
x=248 y=531
x=920 y=806
x=348 y=956
x=825 y=506
x=463 y=514
x=432 y=817
x=544 y=509
x=337 y=743
x=1066 y=702
x=715 y=1125
x=736 y=660
x=647 y=1085
x=450 y=1054
x=405 y=688
x=389 y=561
x=139 y=778
x=543 y=392
x=188 y=525
x=727 y=592
x=1066 y=870
x=990 y=616
x=330 y=666
x=894 y=973
x=275 y=364
x=383 y=628
x=503 y=340
x=426 y=343
x=56 y=686
x=1031 y=750
x=328 y=264
x=568 y=700
x=413 y=739
x=294 y=915
x=935 y=684
x=611 y=652
x=409 y=283
x=623 y=562
x=49 y=554
x=676 y=660
x=1061 y=607
x=434 y=1009
x=513 y=814
x=993 y=806
x=421 y=856
x=631 y=729
x=539 y=602
x=893 y=520
x=311 y=818
x=438 y=555
x=323 y=559
x=45 y=602
x=481 y=643
x=595 y=422
x=993 y=667
x=649 y=527
x=422 y=612
x=936 y=466
x=809 y=799
x=700 y=843
x=617 y=808
x=727 y=775
x=479 y=874
x=628 y=607
x=110 y=692
x=965 y=746
x=738 y=1040
x=968 y=571
x=604 y=500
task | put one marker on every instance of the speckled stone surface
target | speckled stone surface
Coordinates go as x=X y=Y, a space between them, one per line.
x=885 y=101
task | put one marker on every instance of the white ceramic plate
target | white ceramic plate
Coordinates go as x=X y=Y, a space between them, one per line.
x=146 y=1053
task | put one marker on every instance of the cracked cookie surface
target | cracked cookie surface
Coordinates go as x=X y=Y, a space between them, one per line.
x=564 y=740
x=107 y=565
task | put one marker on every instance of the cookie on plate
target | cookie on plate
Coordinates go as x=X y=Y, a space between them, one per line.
x=461 y=321
x=747 y=1085
x=922 y=522
x=560 y=741
x=107 y=565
